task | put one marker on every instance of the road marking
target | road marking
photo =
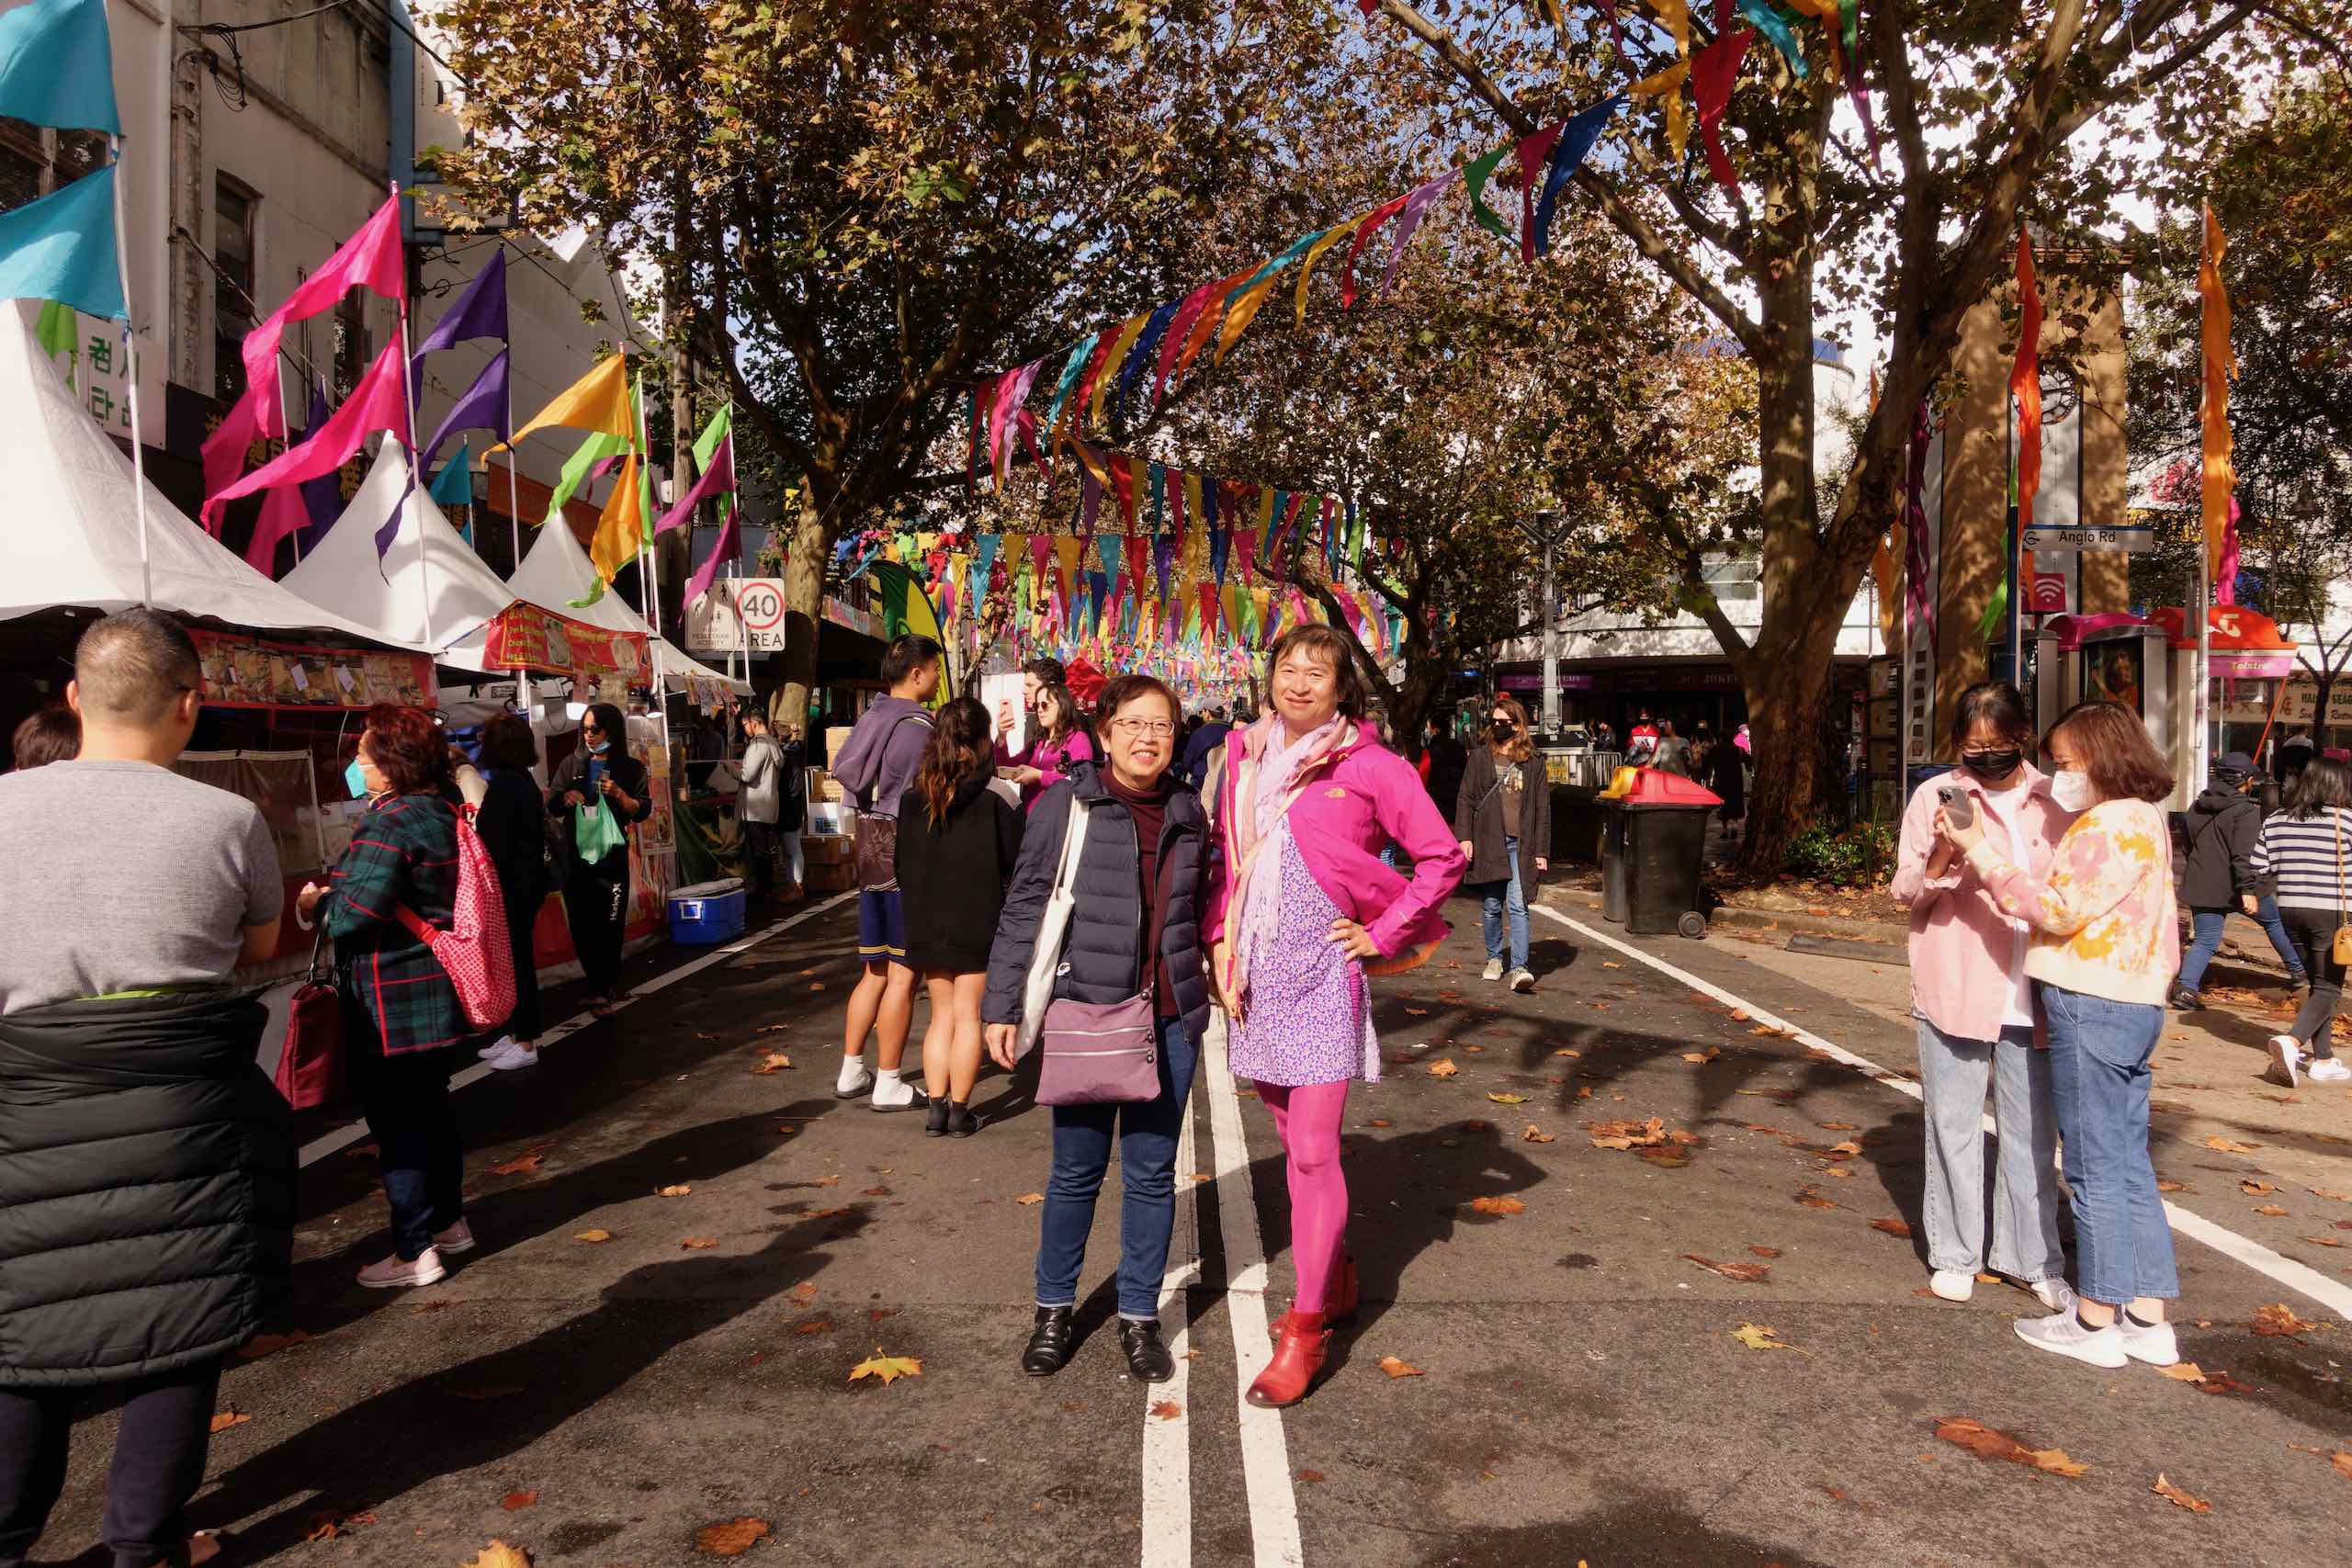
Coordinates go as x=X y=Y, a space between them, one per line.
x=1167 y=1445
x=343 y=1137
x=2273 y=1266
x=1265 y=1453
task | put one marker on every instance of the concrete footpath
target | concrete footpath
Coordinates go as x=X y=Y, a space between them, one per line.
x=1585 y=1337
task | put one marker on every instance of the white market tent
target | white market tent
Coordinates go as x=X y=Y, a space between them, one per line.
x=72 y=533
x=344 y=575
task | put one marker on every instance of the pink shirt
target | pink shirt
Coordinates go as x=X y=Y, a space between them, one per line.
x=1966 y=963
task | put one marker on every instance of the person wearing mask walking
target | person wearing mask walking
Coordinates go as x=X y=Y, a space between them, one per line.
x=598 y=794
x=2104 y=947
x=2224 y=826
x=957 y=842
x=1641 y=741
x=1503 y=823
x=878 y=766
x=513 y=826
x=1056 y=739
x=2305 y=853
x=1975 y=1006
x=759 y=804
x=401 y=1013
x=147 y=1164
x=1301 y=907
x=1139 y=885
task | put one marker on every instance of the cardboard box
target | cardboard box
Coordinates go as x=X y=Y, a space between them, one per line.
x=828 y=849
x=824 y=786
x=841 y=877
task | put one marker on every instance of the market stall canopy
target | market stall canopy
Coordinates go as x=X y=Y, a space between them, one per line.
x=72 y=533
x=344 y=575
x=2245 y=644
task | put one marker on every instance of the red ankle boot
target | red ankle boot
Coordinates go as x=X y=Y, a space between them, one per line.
x=1340 y=1299
x=1298 y=1356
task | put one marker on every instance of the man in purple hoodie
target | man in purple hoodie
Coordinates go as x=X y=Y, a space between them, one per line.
x=877 y=767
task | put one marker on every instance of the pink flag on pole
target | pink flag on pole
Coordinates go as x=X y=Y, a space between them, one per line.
x=380 y=402
x=717 y=479
x=730 y=536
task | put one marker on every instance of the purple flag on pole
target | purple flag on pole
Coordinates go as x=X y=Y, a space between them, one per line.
x=730 y=537
x=717 y=479
x=321 y=497
x=480 y=311
x=482 y=406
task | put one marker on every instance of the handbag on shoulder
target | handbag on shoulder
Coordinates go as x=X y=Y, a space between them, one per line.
x=310 y=1062
x=1094 y=1052
x=2343 y=906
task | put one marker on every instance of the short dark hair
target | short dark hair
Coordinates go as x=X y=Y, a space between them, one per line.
x=506 y=743
x=2122 y=761
x=52 y=735
x=1355 y=697
x=1050 y=670
x=905 y=656
x=1120 y=690
x=1996 y=702
x=407 y=748
x=135 y=664
x=2323 y=783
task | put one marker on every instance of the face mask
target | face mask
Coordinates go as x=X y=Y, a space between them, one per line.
x=2071 y=790
x=598 y=747
x=1992 y=765
x=356 y=780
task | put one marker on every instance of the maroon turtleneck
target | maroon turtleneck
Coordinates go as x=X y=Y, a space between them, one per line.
x=1149 y=809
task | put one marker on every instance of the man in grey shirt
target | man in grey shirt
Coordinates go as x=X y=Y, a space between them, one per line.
x=759 y=801
x=115 y=874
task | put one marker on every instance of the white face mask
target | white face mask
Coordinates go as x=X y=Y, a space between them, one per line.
x=2071 y=790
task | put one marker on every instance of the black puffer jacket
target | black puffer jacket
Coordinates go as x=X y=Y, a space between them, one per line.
x=2223 y=827
x=1102 y=961
x=146 y=1186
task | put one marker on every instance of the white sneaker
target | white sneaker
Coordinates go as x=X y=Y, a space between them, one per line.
x=892 y=1092
x=511 y=1055
x=2065 y=1335
x=1953 y=1284
x=2285 y=1061
x=2055 y=1294
x=1493 y=971
x=2327 y=1069
x=504 y=1042
x=1522 y=980
x=397 y=1273
x=2155 y=1344
x=458 y=1239
x=855 y=1078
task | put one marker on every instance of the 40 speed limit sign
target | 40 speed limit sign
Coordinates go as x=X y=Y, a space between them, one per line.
x=745 y=612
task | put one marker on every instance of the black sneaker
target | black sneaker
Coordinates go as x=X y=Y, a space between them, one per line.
x=2185 y=1001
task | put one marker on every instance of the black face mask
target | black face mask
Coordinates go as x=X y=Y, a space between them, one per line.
x=1992 y=764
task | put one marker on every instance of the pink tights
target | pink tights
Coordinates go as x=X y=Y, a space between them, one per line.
x=1307 y=1119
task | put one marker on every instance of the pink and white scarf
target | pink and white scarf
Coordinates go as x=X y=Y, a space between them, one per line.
x=1261 y=801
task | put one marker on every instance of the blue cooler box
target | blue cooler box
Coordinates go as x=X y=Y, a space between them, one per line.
x=707 y=912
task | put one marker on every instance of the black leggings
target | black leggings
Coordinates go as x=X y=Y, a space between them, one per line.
x=2313 y=932
x=524 y=1023
x=159 y=1451
x=595 y=903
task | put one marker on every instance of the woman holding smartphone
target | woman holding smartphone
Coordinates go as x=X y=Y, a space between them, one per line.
x=1977 y=1018
x=595 y=892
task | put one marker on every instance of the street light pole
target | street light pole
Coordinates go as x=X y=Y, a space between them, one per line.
x=1545 y=531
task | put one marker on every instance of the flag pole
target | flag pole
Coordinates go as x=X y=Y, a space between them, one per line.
x=514 y=505
x=130 y=380
x=415 y=480
x=648 y=550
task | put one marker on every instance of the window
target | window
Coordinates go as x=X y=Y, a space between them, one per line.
x=1732 y=578
x=35 y=161
x=233 y=210
x=351 y=353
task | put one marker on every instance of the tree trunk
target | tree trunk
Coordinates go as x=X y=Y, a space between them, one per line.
x=803 y=593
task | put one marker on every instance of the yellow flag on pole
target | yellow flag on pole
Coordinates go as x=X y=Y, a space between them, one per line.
x=620 y=528
x=598 y=400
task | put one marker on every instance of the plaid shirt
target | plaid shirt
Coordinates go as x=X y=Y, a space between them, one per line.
x=404 y=851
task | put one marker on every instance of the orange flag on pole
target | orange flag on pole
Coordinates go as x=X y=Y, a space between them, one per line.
x=2221 y=364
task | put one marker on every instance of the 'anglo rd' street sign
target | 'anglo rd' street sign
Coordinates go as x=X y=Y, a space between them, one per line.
x=2060 y=541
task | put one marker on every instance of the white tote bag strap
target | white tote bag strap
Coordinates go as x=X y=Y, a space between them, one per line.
x=1053 y=929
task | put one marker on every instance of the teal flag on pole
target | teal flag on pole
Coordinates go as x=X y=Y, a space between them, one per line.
x=61 y=248
x=56 y=68
x=454 y=485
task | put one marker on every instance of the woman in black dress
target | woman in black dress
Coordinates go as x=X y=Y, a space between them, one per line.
x=957 y=841
x=595 y=892
x=512 y=824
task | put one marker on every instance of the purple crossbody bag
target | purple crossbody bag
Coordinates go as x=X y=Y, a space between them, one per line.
x=1102 y=1053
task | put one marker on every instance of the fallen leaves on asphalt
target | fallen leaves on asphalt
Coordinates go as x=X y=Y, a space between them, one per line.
x=224 y=1419
x=889 y=1368
x=594 y=1235
x=2166 y=1184
x=1507 y=1098
x=2229 y=1146
x=1987 y=1442
x=498 y=1554
x=1166 y=1410
x=732 y=1539
x=1813 y=1200
x=1757 y=1336
x=1746 y=1273
x=2178 y=1498
x=1627 y=1134
x=1442 y=1069
x=2340 y=1197
x=1498 y=1205
x=2256 y=1189
x=1892 y=1227
x=1535 y=1135
x=1028 y=1199
x=2183 y=1371
x=678 y=1191
x=1774 y=1032
x=514 y=1500
x=519 y=1165
x=772 y=1062
x=1397 y=1367
x=2269 y=1211
x=2323 y=1241
x=2278 y=1321
x=814 y=1325
x=699 y=1242
x=1703 y=1058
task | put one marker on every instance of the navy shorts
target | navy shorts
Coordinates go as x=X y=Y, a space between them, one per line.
x=881 y=928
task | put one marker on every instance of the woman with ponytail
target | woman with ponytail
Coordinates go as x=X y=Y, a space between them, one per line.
x=957 y=841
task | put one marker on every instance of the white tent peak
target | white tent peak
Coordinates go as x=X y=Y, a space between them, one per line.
x=555 y=571
x=344 y=574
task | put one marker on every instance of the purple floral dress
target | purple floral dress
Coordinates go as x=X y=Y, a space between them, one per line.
x=1309 y=1011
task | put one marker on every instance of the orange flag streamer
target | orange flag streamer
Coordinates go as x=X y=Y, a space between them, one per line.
x=2025 y=382
x=2221 y=364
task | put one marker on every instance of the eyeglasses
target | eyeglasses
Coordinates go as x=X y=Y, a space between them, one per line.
x=1157 y=728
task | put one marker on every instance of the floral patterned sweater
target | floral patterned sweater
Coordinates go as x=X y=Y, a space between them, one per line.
x=2103 y=921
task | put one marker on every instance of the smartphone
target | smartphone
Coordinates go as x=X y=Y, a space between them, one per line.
x=1958 y=803
x=596 y=774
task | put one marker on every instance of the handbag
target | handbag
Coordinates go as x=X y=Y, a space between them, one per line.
x=310 y=1062
x=2342 y=953
x=1091 y=1052
x=474 y=951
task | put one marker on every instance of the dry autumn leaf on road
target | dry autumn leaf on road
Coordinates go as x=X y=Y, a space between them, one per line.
x=594 y=1235
x=498 y=1554
x=516 y=1500
x=2269 y=1211
x=679 y=1189
x=889 y=1368
x=1507 y=1098
x=1442 y=1069
x=1703 y=1057
x=732 y=1539
x=1758 y=1336
x=2279 y=1320
x=1490 y=1205
x=1535 y=1135
x=520 y=1163
x=699 y=1242
x=2178 y=1498
x=1167 y=1410
x=2228 y=1146
x=1746 y=1273
x=1892 y=1227
x=1627 y=1134
x=772 y=1062
x=1397 y=1367
x=1987 y=1442
x=2256 y=1189
x=1028 y=1199
x=2183 y=1371
x=224 y=1419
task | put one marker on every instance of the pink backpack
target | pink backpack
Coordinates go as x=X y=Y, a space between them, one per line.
x=474 y=951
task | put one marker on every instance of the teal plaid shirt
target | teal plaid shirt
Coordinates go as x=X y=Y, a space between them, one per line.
x=404 y=851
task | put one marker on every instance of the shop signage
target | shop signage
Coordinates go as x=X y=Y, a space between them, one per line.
x=2060 y=541
x=524 y=636
x=746 y=615
x=250 y=673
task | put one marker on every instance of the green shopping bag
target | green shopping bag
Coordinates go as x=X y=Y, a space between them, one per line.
x=594 y=833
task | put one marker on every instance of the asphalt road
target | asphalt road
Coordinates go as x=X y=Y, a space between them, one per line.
x=1583 y=1395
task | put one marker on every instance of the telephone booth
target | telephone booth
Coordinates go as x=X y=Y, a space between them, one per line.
x=2247 y=664
x=2117 y=658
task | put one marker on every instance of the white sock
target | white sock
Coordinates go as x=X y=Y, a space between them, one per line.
x=853 y=1073
x=886 y=1076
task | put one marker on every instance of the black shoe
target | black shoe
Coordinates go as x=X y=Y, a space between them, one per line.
x=1146 y=1356
x=2185 y=1001
x=936 y=1124
x=959 y=1120
x=1049 y=1343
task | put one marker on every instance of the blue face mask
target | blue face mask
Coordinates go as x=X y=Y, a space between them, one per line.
x=598 y=747
x=356 y=780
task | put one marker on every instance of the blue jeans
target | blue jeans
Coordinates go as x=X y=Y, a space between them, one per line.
x=1147 y=1132
x=1506 y=898
x=2098 y=1084
x=2205 y=940
x=1954 y=1073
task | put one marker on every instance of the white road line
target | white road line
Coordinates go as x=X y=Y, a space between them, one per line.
x=2336 y=1298
x=1265 y=1453
x=343 y=1137
x=1167 y=1445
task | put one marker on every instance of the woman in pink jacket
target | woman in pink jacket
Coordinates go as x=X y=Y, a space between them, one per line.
x=1059 y=739
x=1301 y=907
x=1977 y=1016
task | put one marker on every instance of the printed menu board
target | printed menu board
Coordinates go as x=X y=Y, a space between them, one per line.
x=251 y=672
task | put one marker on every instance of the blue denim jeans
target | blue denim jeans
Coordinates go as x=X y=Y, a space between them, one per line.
x=1954 y=1073
x=1502 y=898
x=2205 y=940
x=2098 y=1084
x=1147 y=1132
